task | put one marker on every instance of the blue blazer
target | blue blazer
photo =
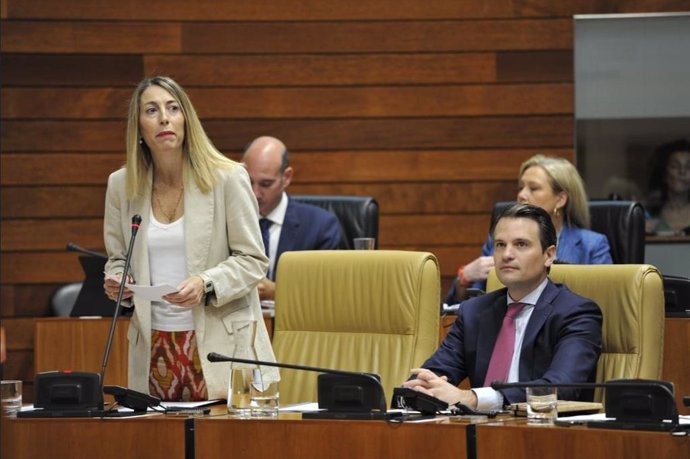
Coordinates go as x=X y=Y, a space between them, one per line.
x=562 y=341
x=307 y=227
x=577 y=246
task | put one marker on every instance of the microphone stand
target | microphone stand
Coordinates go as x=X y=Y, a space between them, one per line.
x=136 y=222
x=634 y=403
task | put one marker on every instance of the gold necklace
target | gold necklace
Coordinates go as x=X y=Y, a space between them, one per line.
x=169 y=216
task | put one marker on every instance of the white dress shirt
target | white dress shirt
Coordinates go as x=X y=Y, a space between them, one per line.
x=277 y=217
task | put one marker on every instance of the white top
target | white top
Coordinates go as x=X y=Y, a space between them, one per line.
x=277 y=217
x=168 y=265
x=488 y=398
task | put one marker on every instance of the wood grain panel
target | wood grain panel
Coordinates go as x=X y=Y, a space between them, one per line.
x=676 y=365
x=27 y=300
x=421 y=198
x=66 y=103
x=20 y=365
x=365 y=102
x=341 y=102
x=432 y=229
x=46 y=202
x=320 y=134
x=39 y=268
x=325 y=70
x=534 y=66
x=63 y=135
x=91 y=37
x=50 y=234
x=310 y=167
x=58 y=169
x=368 y=37
x=19 y=333
x=396 y=134
x=70 y=70
x=212 y=10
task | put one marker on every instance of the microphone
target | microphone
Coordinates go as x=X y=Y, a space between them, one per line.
x=343 y=394
x=634 y=403
x=72 y=247
x=138 y=401
x=69 y=394
x=136 y=222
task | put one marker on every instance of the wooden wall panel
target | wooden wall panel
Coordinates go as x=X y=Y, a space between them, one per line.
x=70 y=70
x=303 y=102
x=182 y=10
x=91 y=37
x=368 y=37
x=325 y=69
x=430 y=107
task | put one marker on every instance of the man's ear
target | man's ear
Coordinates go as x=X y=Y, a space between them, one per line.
x=287 y=177
x=550 y=253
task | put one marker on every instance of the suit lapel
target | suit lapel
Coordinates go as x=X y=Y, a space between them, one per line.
x=542 y=311
x=289 y=232
x=490 y=322
x=198 y=226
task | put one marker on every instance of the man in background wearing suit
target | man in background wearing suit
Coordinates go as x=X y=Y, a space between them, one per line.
x=286 y=225
x=530 y=331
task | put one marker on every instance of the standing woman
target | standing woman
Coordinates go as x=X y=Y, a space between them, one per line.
x=199 y=232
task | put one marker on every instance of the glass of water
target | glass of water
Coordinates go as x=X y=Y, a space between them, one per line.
x=11 y=397
x=542 y=405
x=264 y=396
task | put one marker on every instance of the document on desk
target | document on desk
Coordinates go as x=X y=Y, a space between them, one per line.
x=584 y=418
x=151 y=292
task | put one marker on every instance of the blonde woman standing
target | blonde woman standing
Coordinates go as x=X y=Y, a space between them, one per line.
x=199 y=233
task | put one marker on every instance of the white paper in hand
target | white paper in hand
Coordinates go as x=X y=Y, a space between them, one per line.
x=151 y=292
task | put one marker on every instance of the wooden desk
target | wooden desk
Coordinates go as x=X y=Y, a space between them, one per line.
x=72 y=343
x=518 y=441
x=304 y=439
x=149 y=437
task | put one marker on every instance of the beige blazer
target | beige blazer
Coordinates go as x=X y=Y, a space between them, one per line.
x=222 y=243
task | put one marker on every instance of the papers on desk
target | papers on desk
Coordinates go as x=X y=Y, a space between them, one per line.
x=151 y=292
x=683 y=420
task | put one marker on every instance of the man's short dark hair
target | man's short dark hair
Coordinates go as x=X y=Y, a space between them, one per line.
x=547 y=232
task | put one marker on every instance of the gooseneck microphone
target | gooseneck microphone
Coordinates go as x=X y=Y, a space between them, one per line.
x=136 y=222
x=642 y=404
x=215 y=357
x=342 y=394
x=72 y=247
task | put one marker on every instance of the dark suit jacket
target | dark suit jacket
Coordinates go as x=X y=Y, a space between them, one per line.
x=562 y=341
x=307 y=227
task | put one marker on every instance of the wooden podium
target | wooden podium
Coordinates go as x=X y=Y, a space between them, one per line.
x=78 y=344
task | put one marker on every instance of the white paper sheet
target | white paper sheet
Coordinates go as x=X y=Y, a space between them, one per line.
x=151 y=292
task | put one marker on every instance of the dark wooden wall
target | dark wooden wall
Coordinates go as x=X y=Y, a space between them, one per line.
x=429 y=106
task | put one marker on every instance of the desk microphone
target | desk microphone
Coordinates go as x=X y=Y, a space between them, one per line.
x=343 y=394
x=634 y=403
x=72 y=247
x=80 y=394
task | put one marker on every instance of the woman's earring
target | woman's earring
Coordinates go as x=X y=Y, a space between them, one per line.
x=141 y=141
x=555 y=211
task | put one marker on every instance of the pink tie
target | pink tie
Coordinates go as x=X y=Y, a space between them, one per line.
x=503 y=349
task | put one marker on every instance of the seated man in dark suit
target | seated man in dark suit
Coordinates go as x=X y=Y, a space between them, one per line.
x=286 y=225
x=532 y=330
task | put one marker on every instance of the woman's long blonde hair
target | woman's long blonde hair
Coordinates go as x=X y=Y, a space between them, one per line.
x=564 y=177
x=202 y=159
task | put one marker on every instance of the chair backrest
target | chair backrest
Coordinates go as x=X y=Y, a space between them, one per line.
x=64 y=298
x=631 y=299
x=358 y=215
x=621 y=221
x=356 y=310
x=677 y=295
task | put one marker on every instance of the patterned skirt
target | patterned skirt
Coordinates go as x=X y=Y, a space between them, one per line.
x=175 y=371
